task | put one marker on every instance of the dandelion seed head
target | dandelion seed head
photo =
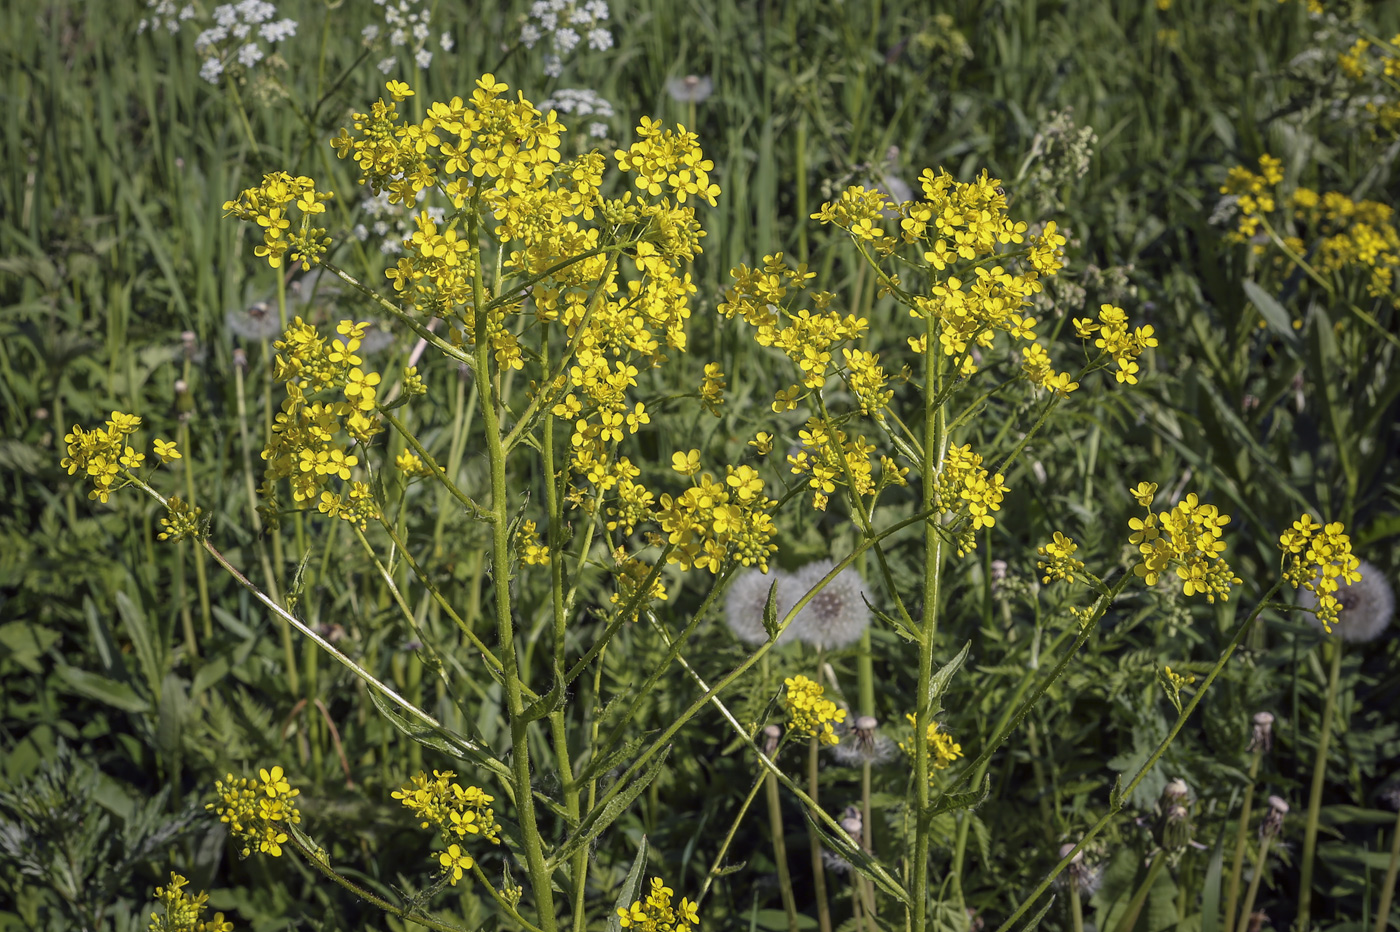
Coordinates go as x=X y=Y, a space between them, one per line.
x=748 y=595
x=837 y=615
x=691 y=89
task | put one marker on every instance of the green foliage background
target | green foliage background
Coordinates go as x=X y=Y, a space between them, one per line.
x=118 y=158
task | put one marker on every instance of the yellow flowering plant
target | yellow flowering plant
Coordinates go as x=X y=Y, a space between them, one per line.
x=561 y=298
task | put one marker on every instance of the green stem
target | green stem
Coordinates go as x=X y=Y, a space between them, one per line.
x=814 y=839
x=540 y=881
x=1130 y=916
x=1076 y=908
x=1254 y=882
x=1319 y=776
x=1232 y=893
x=1388 y=888
x=729 y=838
x=775 y=825
x=331 y=874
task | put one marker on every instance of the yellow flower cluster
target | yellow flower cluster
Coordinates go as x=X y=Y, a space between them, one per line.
x=942 y=749
x=180 y=521
x=183 y=910
x=1188 y=537
x=712 y=388
x=330 y=400
x=455 y=812
x=1319 y=558
x=630 y=575
x=1337 y=233
x=766 y=300
x=965 y=482
x=714 y=521
x=100 y=454
x=561 y=242
x=257 y=811
x=656 y=914
x=269 y=206
x=1380 y=73
x=828 y=458
x=527 y=544
x=808 y=712
x=1059 y=562
x=1116 y=340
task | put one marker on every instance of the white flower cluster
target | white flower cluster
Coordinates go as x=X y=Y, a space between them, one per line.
x=391 y=224
x=582 y=102
x=409 y=23
x=237 y=34
x=165 y=15
x=569 y=24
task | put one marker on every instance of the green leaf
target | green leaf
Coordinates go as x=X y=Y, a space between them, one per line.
x=1210 y=887
x=770 y=611
x=25 y=641
x=631 y=887
x=1274 y=314
x=98 y=687
x=440 y=739
x=939 y=684
x=148 y=654
x=949 y=802
x=596 y=821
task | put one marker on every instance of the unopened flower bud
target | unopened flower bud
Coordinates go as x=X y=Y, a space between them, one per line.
x=1273 y=819
x=187 y=343
x=1176 y=828
x=1263 y=738
x=1176 y=792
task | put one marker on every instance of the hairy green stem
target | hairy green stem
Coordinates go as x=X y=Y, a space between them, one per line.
x=1254 y=881
x=1388 y=887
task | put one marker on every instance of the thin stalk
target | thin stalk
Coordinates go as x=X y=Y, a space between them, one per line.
x=330 y=873
x=250 y=486
x=1388 y=888
x=1076 y=908
x=1324 y=740
x=775 y=825
x=1254 y=882
x=1232 y=893
x=201 y=574
x=818 y=869
x=729 y=839
x=1130 y=916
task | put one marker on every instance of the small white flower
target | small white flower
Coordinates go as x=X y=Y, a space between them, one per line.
x=553 y=66
x=598 y=9
x=529 y=35
x=424 y=58
x=210 y=38
x=241 y=30
x=250 y=55
x=599 y=39
x=398 y=37
x=225 y=14
x=420 y=32
x=598 y=130
x=565 y=41
x=387 y=65
x=446 y=42
x=360 y=232
x=369 y=33
x=188 y=12
x=212 y=70
x=549 y=22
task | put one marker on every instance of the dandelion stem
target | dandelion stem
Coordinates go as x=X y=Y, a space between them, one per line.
x=775 y=824
x=1319 y=776
x=1388 y=887
x=1254 y=882
x=1232 y=893
x=1076 y=908
x=1130 y=915
x=818 y=869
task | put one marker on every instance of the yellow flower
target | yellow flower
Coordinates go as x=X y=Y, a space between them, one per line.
x=166 y=450
x=454 y=861
x=687 y=464
x=762 y=442
x=809 y=713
